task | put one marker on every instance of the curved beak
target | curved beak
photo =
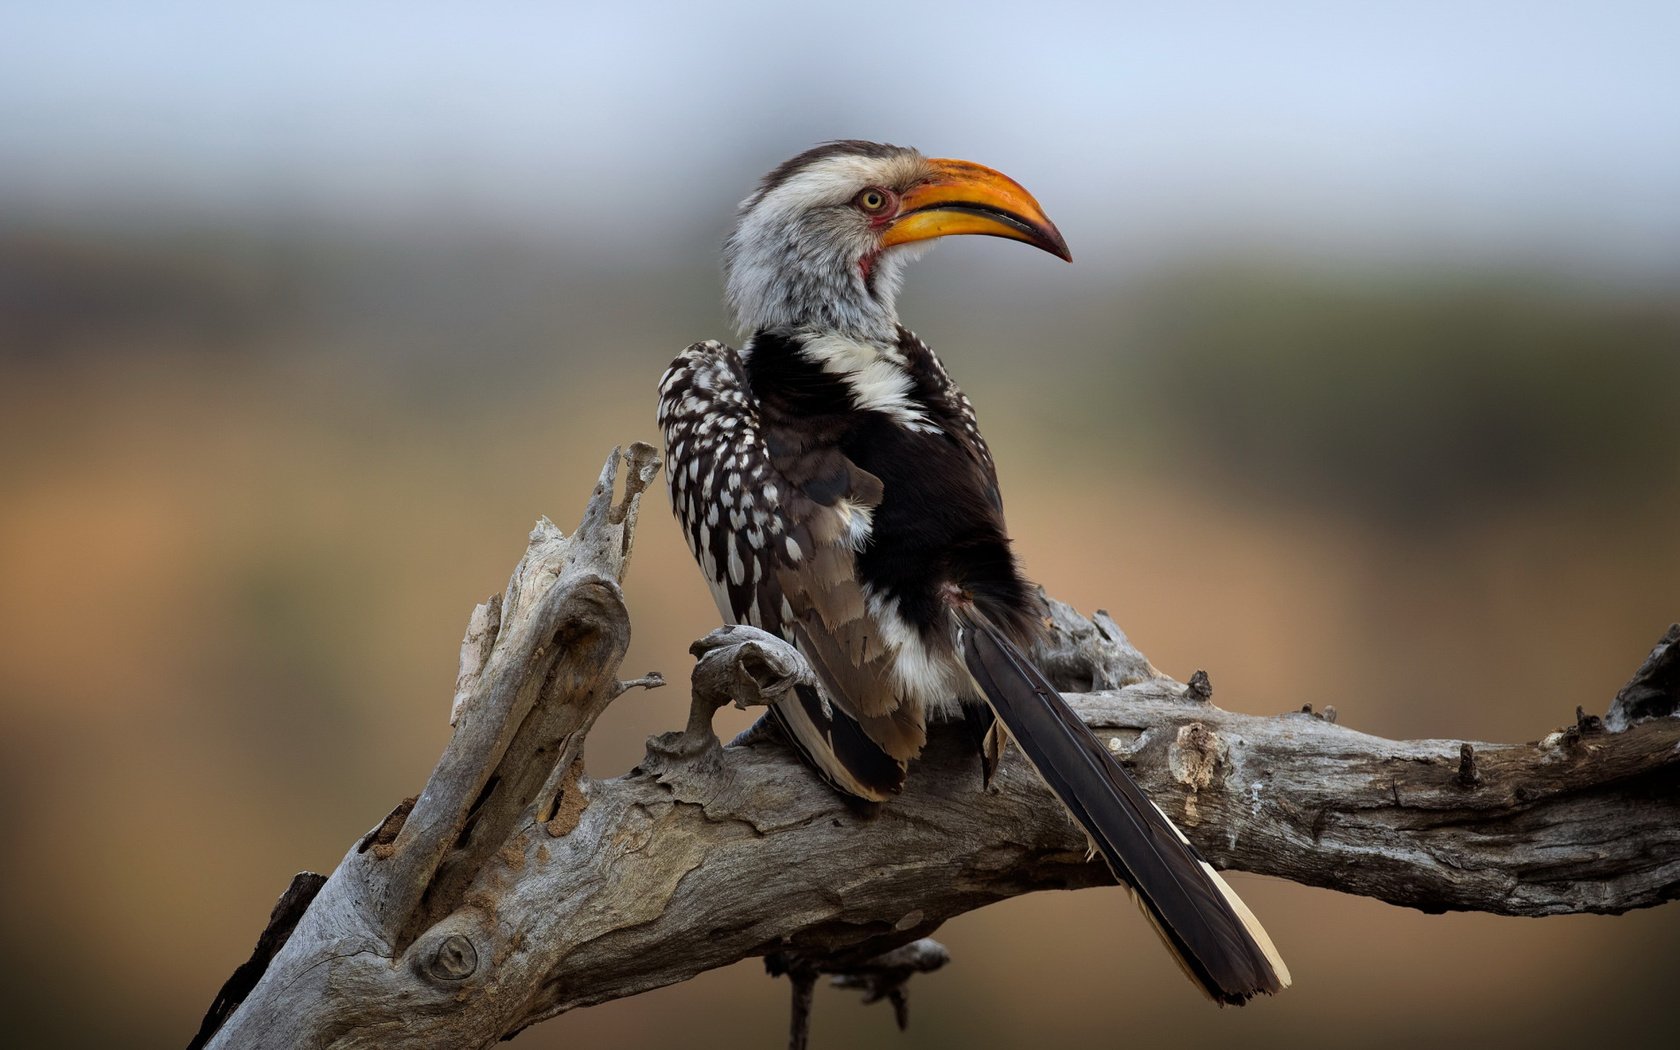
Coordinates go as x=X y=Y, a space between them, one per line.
x=963 y=197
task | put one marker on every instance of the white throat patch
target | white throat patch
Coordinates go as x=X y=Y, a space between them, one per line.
x=874 y=373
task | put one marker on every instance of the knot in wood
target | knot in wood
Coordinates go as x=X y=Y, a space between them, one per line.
x=1193 y=760
x=1194 y=755
x=454 y=960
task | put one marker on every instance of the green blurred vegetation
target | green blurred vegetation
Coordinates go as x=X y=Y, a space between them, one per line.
x=1411 y=397
x=1418 y=399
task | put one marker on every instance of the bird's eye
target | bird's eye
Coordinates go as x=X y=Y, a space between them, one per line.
x=873 y=200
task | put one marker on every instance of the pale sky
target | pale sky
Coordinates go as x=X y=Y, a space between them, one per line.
x=1509 y=131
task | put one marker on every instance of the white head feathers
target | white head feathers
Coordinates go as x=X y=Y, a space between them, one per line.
x=796 y=259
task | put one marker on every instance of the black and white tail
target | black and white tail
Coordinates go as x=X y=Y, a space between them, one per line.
x=1215 y=937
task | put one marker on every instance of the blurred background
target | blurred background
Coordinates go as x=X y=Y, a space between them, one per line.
x=1364 y=390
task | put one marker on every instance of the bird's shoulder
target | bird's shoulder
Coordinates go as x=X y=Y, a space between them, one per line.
x=934 y=385
x=946 y=403
x=705 y=375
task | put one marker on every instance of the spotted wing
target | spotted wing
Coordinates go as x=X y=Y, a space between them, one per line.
x=773 y=533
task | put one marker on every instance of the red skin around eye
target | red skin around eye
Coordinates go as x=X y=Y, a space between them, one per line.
x=888 y=213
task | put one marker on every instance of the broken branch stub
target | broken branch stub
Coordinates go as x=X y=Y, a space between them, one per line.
x=1654 y=689
x=410 y=939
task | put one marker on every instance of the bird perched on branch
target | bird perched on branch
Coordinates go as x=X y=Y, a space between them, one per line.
x=833 y=484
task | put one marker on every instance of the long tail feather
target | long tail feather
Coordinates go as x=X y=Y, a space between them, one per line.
x=1215 y=937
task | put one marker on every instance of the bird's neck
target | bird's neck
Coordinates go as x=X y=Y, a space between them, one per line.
x=777 y=286
x=853 y=310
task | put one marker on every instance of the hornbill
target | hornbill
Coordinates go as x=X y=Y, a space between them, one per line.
x=834 y=486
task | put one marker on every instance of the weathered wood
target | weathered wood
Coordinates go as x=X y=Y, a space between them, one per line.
x=281 y=922
x=516 y=887
x=412 y=920
x=1654 y=689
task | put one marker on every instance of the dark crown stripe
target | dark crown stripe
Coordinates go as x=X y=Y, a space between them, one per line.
x=838 y=148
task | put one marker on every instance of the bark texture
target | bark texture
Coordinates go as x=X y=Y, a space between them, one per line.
x=515 y=887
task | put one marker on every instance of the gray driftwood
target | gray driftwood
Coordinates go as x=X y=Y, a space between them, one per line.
x=515 y=887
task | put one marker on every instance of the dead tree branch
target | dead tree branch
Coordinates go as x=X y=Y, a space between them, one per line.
x=515 y=887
